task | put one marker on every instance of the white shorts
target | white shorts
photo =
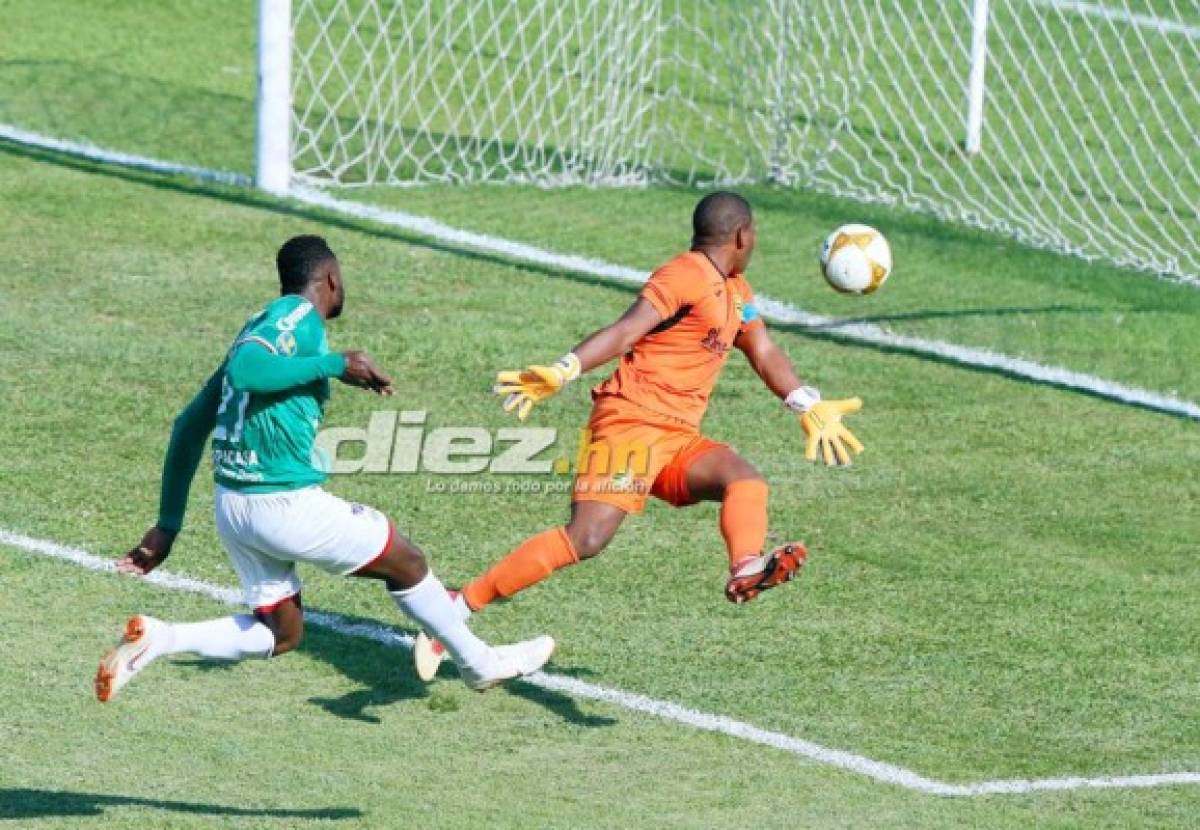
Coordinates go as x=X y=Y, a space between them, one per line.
x=266 y=534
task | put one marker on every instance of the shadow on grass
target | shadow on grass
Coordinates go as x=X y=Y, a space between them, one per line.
x=560 y=705
x=25 y=803
x=955 y=313
x=388 y=678
x=385 y=672
x=261 y=201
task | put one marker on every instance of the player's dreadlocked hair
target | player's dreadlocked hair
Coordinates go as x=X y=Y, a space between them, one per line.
x=298 y=261
x=718 y=216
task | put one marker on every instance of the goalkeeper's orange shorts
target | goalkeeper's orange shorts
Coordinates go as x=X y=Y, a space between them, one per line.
x=629 y=453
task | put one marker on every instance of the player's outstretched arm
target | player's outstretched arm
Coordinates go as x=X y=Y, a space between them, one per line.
x=820 y=420
x=523 y=388
x=256 y=369
x=189 y=434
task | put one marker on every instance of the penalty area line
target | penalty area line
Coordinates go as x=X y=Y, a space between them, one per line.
x=665 y=710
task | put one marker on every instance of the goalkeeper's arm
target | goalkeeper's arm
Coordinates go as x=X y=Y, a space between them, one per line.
x=770 y=362
x=821 y=420
x=615 y=339
x=522 y=389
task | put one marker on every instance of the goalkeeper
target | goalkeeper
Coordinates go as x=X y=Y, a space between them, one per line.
x=644 y=435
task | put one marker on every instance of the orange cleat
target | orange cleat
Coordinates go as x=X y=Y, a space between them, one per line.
x=753 y=576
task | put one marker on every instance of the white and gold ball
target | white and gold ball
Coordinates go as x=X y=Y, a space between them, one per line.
x=856 y=259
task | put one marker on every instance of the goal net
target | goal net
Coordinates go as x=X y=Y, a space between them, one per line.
x=1085 y=137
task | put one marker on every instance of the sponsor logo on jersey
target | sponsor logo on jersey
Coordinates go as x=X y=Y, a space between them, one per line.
x=712 y=342
x=236 y=464
x=293 y=317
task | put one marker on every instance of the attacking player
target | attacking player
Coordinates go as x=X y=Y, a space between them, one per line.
x=263 y=407
x=645 y=424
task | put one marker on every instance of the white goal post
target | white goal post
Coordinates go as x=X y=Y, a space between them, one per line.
x=273 y=102
x=1073 y=126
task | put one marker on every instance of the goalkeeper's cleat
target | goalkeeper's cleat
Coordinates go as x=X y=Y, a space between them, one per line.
x=509 y=662
x=140 y=644
x=428 y=654
x=753 y=576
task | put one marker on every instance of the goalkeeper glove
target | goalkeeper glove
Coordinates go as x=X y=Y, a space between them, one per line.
x=521 y=390
x=822 y=424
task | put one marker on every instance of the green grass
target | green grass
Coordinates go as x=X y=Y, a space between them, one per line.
x=1002 y=587
x=995 y=590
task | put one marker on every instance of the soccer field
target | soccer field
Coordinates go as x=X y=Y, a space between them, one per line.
x=1002 y=588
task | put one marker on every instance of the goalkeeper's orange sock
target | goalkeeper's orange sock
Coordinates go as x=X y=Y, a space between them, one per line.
x=744 y=519
x=534 y=560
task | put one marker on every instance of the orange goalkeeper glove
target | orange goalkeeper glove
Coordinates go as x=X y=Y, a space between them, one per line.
x=822 y=424
x=521 y=390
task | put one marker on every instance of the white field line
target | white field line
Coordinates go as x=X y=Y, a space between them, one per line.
x=1162 y=25
x=774 y=310
x=91 y=151
x=858 y=764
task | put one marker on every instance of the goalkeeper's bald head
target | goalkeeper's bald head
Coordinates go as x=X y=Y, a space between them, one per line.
x=718 y=216
x=723 y=227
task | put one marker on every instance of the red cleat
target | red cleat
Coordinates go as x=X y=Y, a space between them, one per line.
x=753 y=576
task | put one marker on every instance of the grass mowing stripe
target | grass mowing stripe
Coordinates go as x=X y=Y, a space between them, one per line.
x=877 y=770
x=774 y=310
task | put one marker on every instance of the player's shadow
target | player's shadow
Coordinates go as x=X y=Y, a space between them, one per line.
x=27 y=803
x=387 y=676
x=385 y=672
x=560 y=705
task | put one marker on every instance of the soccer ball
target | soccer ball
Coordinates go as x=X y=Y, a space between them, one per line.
x=856 y=259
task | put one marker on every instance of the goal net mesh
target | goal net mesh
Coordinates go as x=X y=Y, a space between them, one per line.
x=1090 y=144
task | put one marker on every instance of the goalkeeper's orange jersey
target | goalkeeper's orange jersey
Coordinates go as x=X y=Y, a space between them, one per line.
x=672 y=370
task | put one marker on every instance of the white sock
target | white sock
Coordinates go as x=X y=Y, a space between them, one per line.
x=227 y=638
x=460 y=605
x=428 y=604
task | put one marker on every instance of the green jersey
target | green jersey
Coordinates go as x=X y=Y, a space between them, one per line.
x=263 y=407
x=263 y=442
